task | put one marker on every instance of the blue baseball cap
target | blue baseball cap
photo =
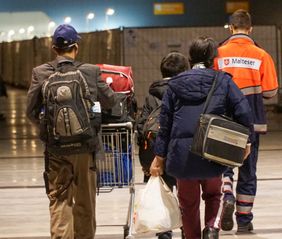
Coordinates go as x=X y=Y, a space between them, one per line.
x=65 y=36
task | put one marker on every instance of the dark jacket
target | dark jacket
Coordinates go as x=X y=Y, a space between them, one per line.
x=152 y=101
x=146 y=154
x=99 y=90
x=181 y=106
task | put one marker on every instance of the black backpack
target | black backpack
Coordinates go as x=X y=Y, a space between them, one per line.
x=68 y=124
x=152 y=125
x=150 y=130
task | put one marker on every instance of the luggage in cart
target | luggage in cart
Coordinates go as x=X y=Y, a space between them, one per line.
x=116 y=169
x=120 y=79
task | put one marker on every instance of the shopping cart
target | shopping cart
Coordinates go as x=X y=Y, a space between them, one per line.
x=116 y=169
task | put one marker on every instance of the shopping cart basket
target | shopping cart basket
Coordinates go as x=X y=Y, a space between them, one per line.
x=116 y=169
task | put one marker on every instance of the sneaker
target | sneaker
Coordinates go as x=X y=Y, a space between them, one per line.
x=165 y=235
x=245 y=228
x=210 y=233
x=227 y=215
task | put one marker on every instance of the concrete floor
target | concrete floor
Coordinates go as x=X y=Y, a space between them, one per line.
x=24 y=205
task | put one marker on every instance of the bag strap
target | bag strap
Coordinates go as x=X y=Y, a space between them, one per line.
x=210 y=93
x=158 y=101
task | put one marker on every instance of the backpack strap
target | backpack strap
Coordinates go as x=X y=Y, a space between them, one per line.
x=158 y=102
x=77 y=63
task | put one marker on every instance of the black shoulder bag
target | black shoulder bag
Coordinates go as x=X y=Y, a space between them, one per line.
x=218 y=138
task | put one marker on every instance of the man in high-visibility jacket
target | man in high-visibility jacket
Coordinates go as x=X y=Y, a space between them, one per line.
x=254 y=73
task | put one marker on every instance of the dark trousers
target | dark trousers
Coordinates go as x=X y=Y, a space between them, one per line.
x=189 y=195
x=247 y=185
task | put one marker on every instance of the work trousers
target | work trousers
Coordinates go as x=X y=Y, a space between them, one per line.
x=246 y=185
x=71 y=188
x=189 y=195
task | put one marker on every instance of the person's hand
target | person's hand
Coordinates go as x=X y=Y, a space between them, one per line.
x=146 y=172
x=247 y=151
x=157 y=166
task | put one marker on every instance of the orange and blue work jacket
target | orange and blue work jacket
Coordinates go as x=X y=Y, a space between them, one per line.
x=253 y=71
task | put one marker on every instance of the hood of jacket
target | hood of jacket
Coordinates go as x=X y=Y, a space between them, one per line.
x=158 y=88
x=193 y=85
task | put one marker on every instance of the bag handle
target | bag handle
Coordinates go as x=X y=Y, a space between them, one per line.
x=210 y=93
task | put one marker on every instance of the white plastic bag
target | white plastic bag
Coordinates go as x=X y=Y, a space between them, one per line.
x=157 y=209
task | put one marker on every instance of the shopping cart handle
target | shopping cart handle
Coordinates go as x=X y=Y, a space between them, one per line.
x=112 y=125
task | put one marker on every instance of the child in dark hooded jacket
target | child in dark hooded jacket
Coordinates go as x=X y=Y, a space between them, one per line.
x=171 y=65
x=181 y=107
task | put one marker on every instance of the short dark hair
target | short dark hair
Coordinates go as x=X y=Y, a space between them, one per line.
x=173 y=64
x=63 y=51
x=203 y=50
x=241 y=19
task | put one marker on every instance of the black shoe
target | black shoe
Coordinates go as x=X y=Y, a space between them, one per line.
x=245 y=228
x=210 y=233
x=165 y=235
x=227 y=215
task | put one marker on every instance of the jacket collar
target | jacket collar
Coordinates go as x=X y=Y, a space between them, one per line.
x=239 y=37
x=199 y=65
x=61 y=59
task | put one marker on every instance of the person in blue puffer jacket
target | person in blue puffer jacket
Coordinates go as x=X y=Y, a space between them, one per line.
x=182 y=105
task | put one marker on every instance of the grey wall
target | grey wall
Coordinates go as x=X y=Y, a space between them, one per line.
x=145 y=48
x=141 y=48
x=19 y=57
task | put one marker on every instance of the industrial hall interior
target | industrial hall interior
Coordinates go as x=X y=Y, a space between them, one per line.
x=101 y=114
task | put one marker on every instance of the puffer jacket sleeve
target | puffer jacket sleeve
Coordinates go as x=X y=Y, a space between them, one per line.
x=166 y=120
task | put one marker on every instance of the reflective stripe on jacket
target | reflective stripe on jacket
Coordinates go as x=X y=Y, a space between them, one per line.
x=253 y=71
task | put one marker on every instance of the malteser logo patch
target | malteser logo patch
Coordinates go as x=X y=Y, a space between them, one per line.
x=239 y=62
